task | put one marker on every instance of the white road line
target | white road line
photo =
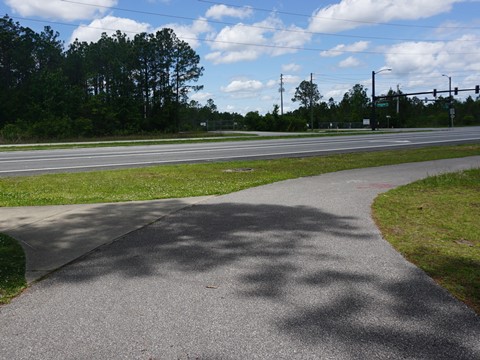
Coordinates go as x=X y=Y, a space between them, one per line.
x=163 y=151
x=220 y=157
x=226 y=148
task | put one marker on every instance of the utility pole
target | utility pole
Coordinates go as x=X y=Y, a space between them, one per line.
x=398 y=99
x=281 y=94
x=177 y=112
x=311 y=101
x=373 y=117
x=450 y=103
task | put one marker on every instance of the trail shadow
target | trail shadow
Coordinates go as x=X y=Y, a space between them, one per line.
x=374 y=316
x=55 y=235
x=208 y=237
x=295 y=258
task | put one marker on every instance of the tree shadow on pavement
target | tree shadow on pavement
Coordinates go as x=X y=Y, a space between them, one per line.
x=208 y=237
x=294 y=258
x=403 y=318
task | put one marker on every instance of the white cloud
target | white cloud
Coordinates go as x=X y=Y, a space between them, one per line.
x=230 y=44
x=423 y=63
x=268 y=37
x=220 y=11
x=349 y=62
x=292 y=67
x=289 y=40
x=336 y=93
x=242 y=86
x=367 y=12
x=342 y=48
x=218 y=57
x=272 y=83
x=415 y=57
x=234 y=38
x=58 y=9
x=290 y=79
x=109 y=25
x=201 y=96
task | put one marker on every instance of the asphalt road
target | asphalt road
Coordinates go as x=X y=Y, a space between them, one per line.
x=292 y=270
x=35 y=162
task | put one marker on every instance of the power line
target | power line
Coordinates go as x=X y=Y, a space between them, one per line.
x=297 y=48
x=269 y=28
x=345 y=20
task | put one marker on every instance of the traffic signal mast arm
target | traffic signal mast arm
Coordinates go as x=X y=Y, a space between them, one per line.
x=476 y=89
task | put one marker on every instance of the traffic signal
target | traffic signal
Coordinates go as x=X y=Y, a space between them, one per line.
x=477 y=89
x=435 y=93
x=455 y=91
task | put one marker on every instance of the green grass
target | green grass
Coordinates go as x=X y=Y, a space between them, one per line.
x=182 y=138
x=128 y=141
x=174 y=181
x=12 y=268
x=435 y=224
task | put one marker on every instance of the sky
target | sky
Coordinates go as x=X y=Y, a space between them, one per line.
x=247 y=46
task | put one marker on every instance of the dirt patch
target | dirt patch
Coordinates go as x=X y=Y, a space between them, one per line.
x=238 y=170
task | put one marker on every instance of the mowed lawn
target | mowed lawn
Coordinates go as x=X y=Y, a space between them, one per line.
x=435 y=224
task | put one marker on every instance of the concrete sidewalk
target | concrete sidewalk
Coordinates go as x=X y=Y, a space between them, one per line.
x=53 y=236
x=291 y=270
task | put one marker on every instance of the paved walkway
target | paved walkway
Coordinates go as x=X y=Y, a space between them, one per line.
x=292 y=270
x=53 y=236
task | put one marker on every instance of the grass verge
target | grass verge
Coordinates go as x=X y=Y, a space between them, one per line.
x=435 y=224
x=208 y=137
x=12 y=269
x=127 y=141
x=176 y=181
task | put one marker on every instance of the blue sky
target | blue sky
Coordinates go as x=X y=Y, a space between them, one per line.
x=246 y=45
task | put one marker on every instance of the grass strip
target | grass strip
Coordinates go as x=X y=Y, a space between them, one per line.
x=176 y=181
x=12 y=269
x=210 y=138
x=127 y=141
x=435 y=224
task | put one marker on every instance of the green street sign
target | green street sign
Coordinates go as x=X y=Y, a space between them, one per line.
x=382 y=104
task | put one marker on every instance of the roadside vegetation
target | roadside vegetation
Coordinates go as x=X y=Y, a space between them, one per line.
x=435 y=224
x=174 y=181
x=167 y=139
x=12 y=268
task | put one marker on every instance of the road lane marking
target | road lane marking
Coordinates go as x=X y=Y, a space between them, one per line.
x=222 y=157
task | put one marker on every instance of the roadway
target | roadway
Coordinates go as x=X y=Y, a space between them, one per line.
x=19 y=163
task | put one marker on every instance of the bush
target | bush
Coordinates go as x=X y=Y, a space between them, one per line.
x=82 y=127
x=56 y=128
x=12 y=133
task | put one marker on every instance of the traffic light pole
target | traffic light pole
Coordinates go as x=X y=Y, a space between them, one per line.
x=373 y=120
x=374 y=115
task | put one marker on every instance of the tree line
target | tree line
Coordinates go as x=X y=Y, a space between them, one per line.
x=398 y=111
x=129 y=86
x=114 y=86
